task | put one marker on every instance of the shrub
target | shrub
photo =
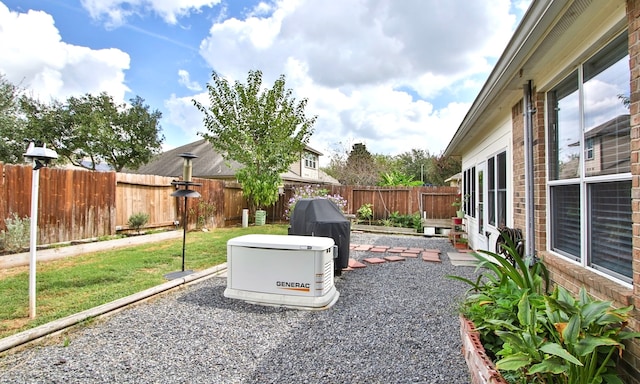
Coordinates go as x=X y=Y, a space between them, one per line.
x=138 y=220
x=17 y=235
x=405 y=221
x=365 y=212
x=309 y=191
x=537 y=337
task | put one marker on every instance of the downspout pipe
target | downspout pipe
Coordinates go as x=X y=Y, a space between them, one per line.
x=529 y=182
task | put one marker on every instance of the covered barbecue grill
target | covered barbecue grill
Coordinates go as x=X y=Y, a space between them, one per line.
x=322 y=217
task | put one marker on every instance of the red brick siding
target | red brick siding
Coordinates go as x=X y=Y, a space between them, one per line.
x=632 y=353
x=539 y=171
x=564 y=272
x=519 y=206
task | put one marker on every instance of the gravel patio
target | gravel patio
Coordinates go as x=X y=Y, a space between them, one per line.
x=395 y=322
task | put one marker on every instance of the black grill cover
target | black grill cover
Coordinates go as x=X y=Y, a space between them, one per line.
x=322 y=217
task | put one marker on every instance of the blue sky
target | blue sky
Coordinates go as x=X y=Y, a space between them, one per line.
x=395 y=75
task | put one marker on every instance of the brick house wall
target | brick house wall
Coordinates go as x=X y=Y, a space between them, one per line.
x=539 y=171
x=563 y=272
x=539 y=168
x=518 y=167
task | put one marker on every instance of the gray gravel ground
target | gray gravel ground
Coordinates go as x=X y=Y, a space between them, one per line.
x=393 y=323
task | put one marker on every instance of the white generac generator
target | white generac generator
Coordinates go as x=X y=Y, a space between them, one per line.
x=281 y=270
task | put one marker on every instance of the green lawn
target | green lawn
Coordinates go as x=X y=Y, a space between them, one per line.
x=72 y=285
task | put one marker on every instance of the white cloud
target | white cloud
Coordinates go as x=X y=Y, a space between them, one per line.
x=351 y=59
x=182 y=113
x=185 y=80
x=116 y=12
x=34 y=56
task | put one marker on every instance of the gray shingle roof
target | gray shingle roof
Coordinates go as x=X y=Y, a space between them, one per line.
x=211 y=165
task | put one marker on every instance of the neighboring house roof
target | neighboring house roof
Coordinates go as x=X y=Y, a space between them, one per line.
x=210 y=164
x=455 y=178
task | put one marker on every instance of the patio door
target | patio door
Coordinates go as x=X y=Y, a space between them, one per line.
x=481 y=240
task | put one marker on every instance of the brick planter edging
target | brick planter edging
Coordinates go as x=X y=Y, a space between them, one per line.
x=481 y=368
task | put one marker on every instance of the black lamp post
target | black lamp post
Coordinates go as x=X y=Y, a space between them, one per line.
x=187 y=170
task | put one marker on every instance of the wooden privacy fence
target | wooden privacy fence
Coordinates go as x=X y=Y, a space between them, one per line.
x=76 y=204
x=72 y=205
x=430 y=202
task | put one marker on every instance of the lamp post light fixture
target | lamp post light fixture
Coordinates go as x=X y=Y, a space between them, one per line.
x=187 y=172
x=39 y=156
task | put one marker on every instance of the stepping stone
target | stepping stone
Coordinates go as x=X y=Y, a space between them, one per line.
x=374 y=260
x=378 y=250
x=395 y=250
x=362 y=248
x=353 y=263
x=409 y=254
x=431 y=256
x=432 y=250
x=413 y=250
x=394 y=258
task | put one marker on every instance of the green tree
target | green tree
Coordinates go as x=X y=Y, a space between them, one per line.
x=360 y=167
x=11 y=125
x=265 y=130
x=355 y=165
x=415 y=164
x=431 y=169
x=97 y=129
x=442 y=167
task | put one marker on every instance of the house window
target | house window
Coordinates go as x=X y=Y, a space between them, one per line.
x=310 y=160
x=497 y=189
x=588 y=152
x=589 y=163
x=469 y=192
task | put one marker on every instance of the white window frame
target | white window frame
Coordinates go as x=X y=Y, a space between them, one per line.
x=582 y=181
x=310 y=160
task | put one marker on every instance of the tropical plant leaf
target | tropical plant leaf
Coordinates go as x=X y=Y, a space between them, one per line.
x=513 y=362
x=513 y=338
x=590 y=343
x=628 y=335
x=524 y=311
x=552 y=365
x=557 y=350
x=611 y=378
x=572 y=330
x=594 y=310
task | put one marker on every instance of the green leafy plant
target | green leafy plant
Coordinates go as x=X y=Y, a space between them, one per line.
x=405 y=221
x=17 y=235
x=365 y=212
x=539 y=337
x=571 y=341
x=398 y=179
x=416 y=221
x=138 y=220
